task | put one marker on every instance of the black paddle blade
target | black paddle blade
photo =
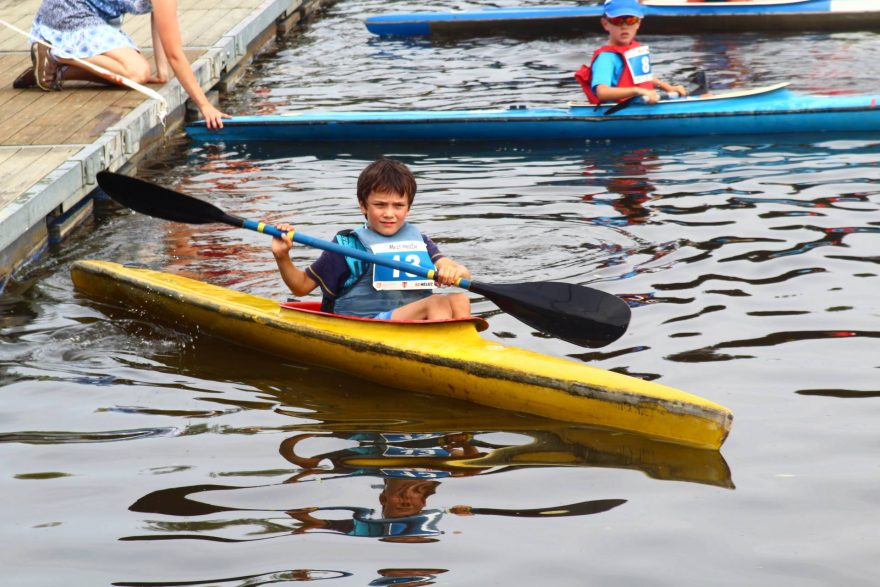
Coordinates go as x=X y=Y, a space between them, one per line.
x=621 y=105
x=701 y=84
x=575 y=313
x=154 y=200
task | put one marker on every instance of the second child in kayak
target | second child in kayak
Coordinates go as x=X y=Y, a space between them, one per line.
x=350 y=287
x=622 y=68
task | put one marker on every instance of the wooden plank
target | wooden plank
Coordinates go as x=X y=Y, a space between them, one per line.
x=108 y=108
x=26 y=5
x=194 y=22
x=139 y=29
x=7 y=153
x=25 y=108
x=88 y=133
x=11 y=64
x=21 y=17
x=217 y=27
x=221 y=6
x=57 y=125
x=28 y=166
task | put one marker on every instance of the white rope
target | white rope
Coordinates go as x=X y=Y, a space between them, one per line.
x=106 y=73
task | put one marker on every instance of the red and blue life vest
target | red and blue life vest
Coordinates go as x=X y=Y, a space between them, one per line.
x=584 y=75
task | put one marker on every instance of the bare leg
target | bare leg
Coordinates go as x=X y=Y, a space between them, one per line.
x=435 y=307
x=124 y=61
x=461 y=305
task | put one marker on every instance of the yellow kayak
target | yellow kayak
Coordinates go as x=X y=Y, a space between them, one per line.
x=447 y=358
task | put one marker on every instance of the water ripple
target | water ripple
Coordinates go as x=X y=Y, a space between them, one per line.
x=33 y=437
x=774 y=339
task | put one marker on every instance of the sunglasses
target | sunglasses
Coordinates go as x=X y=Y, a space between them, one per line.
x=622 y=20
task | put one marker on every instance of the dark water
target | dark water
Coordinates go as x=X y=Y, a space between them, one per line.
x=134 y=453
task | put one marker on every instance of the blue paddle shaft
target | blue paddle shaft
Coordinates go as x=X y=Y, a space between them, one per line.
x=317 y=243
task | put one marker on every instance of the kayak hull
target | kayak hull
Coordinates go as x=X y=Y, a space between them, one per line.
x=446 y=358
x=771 y=110
x=683 y=18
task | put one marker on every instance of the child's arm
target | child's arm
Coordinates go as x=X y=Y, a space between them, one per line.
x=680 y=90
x=605 y=77
x=607 y=93
x=296 y=279
x=448 y=271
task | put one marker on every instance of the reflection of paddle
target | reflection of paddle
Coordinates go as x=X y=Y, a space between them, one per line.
x=176 y=501
x=595 y=506
x=575 y=313
x=700 y=87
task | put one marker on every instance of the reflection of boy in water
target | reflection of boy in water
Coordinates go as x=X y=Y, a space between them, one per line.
x=403 y=514
x=410 y=465
x=404 y=518
x=405 y=497
x=405 y=488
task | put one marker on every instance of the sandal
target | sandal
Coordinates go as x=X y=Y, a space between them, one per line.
x=26 y=79
x=47 y=71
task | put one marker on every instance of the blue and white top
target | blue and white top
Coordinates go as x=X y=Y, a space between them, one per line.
x=382 y=289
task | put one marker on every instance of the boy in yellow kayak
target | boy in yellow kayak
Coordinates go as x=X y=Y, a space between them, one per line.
x=621 y=69
x=351 y=287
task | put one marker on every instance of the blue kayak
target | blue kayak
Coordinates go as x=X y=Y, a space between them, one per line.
x=661 y=17
x=767 y=110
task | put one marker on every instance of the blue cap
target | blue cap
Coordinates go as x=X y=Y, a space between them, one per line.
x=615 y=8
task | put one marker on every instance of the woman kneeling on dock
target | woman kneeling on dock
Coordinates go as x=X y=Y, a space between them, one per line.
x=90 y=30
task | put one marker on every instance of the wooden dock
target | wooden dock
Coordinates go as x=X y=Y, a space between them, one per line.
x=52 y=144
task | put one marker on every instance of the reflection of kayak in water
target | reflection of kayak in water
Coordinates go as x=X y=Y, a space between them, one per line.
x=567 y=447
x=662 y=17
x=559 y=446
x=446 y=358
x=404 y=513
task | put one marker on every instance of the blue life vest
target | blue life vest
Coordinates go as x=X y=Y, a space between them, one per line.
x=360 y=296
x=423 y=523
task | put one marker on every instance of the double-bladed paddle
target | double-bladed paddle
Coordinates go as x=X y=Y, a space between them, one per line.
x=578 y=314
x=700 y=87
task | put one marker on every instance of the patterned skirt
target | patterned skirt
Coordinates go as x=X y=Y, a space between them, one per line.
x=76 y=29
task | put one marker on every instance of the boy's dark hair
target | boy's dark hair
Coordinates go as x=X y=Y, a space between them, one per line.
x=386 y=175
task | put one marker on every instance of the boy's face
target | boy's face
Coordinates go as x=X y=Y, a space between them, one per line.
x=385 y=211
x=404 y=497
x=619 y=32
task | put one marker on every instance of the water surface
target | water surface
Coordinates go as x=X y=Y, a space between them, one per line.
x=137 y=453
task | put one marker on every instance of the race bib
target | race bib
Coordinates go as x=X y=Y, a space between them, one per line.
x=638 y=61
x=414 y=473
x=395 y=437
x=410 y=451
x=412 y=252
